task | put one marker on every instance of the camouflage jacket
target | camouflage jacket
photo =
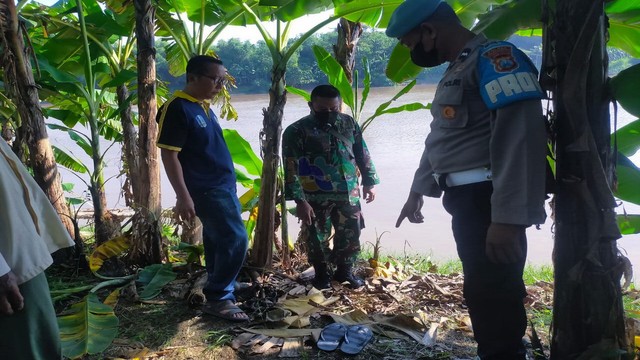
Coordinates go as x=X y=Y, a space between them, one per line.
x=322 y=160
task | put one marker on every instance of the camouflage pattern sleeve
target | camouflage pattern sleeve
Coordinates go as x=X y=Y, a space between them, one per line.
x=291 y=152
x=363 y=158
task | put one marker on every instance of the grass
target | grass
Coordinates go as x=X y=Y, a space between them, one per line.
x=424 y=263
x=218 y=338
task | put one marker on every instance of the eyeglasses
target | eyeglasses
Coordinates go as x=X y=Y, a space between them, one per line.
x=217 y=80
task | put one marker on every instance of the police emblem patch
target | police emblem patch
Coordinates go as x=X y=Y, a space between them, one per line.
x=502 y=58
x=449 y=112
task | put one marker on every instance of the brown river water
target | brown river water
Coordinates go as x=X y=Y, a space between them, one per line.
x=396 y=142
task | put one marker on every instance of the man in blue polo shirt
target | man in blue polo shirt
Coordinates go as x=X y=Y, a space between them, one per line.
x=201 y=172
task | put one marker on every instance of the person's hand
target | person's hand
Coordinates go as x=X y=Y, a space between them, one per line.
x=368 y=194
x=411 y=209
x=505 y=243
x=11 y=299
x=185 y=208
x=304 y=212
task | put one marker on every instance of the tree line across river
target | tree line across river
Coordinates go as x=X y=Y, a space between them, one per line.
x=250 y=63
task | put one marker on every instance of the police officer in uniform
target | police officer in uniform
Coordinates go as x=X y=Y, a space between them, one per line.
x=486 y=153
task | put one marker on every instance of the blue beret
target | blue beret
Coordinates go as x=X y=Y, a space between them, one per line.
x=410 y=14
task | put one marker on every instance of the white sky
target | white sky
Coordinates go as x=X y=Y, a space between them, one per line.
x=298 y=26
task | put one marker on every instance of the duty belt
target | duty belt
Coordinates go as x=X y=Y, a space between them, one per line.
x=464 y=177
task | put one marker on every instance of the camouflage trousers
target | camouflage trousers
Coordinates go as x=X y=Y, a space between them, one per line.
x=347 y=223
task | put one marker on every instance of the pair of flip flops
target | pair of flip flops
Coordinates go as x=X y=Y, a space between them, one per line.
x=224 y=309
x=351 y=340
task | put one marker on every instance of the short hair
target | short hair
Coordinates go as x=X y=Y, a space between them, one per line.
x=198 y=64
x=325 y=91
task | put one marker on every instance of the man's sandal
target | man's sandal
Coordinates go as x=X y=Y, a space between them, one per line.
x=224 y=309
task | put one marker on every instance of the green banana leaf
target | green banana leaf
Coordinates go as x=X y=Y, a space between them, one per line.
x=625 y=88
x=628 y=180
x=367 y=84
x=628 y=224
x=287 y=10
x=154 y=278
x=242 y=153
x=335 y=74
x=69 y=161
x=624 y=25
x=194 y=252
x=88 y=327
x=79 y=139
x=400 y=68
x=305 y=94
x=123 y=77
x=374 y=13
x=68 y=117
x=385 y=109
x=503 y=21
x=627 y=138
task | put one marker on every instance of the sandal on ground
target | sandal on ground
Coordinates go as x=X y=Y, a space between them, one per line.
x=356 y=338
x=224 y=309
x=331 y=336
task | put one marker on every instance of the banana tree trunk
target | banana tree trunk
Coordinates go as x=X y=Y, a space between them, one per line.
x=106 y=226
x=129 y=145
x=345 y=48
x=262 y=251
x=147 y=241
x=588 y=317
x=21 y=88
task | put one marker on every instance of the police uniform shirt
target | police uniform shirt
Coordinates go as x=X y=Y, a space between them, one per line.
x=487 y=113
x=190 y=127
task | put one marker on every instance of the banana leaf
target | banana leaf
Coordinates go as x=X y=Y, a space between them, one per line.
x=335 y=74
x=69 y=161
x=400 y=68
x=242 y=153
x=154 y=278
x=626 y=87
x=88 y=327
x=628 y=180
x=627 y=138
x=373 y=13
x=624 y=25
x=294 y=90
x=503 y=21
x=628 y=224
x=107 y=250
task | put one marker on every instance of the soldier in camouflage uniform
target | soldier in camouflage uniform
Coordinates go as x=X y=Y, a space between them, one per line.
x=485 y=155
x=322 y=154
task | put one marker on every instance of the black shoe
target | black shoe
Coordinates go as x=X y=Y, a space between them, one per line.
x=345 y=273
x=321 y=279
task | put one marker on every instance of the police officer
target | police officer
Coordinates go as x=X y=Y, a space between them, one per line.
x=486 y=152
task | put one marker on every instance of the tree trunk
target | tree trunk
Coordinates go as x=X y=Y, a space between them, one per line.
x=345 y=47
x=588 y=317
x=147 y=241
x=262 y=251
x=129 y=146
x=21 y=88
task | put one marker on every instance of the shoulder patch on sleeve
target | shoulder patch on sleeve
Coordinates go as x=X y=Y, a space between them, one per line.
x=506 y=75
